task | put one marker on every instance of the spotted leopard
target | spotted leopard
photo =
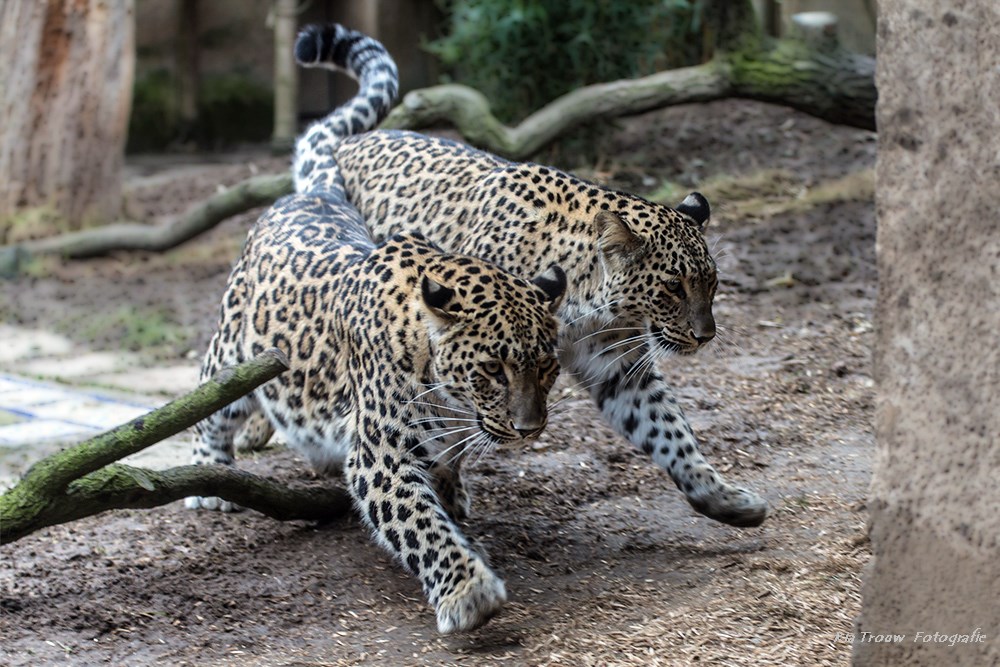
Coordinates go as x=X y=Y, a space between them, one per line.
x=404 y=359
x=642 y=280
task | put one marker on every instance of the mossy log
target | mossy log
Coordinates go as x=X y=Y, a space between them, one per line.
x=84 y=480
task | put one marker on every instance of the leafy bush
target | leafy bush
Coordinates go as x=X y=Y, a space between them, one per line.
x=232 y=108
x=524 y=53
x=153 y=122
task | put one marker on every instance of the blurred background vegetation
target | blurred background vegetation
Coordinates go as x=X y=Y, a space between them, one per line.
x=523 y=54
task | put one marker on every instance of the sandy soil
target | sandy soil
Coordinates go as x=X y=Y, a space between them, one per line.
x=605 y=564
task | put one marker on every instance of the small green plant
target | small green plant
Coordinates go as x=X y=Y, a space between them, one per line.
x=32 y=223
x=524 y=53
x=134 y=329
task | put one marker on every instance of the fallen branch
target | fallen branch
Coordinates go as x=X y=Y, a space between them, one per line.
x=81 y=481
x=245 y=195
x=468 y=110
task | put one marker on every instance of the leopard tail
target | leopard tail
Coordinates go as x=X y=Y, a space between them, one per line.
x=364 y=59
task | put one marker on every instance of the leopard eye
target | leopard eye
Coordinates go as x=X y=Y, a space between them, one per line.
x=545 y=365
x=495 y=368
x=676 y=288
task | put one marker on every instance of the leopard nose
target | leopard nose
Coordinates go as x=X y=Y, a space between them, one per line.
x=704 y=336
x=528 y=430
x=702 y=330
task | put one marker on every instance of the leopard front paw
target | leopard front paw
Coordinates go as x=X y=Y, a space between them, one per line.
x=730 y=504
x=211 y=503
x=473 y=601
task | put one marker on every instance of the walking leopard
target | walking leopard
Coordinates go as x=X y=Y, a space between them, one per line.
x=404 y=359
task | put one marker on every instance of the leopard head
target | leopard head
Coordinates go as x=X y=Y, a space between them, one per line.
x=658 y=271
x=493 y=338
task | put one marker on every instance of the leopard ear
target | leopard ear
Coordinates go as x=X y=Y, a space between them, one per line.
x=695 y=206
x=440 y=300
x=553 y=283
x=614 y=237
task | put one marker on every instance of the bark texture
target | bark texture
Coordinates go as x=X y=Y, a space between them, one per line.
x=67 y=72
x=286 y=76
x=85 y=480
x=934 y=522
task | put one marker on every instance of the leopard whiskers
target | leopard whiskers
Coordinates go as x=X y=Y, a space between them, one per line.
x=642 y=365
x=715 y=244
x=479 y=448
x=641 y=342
x=442 y=407
x=736 y=331
x=433 y=387
x=462 y=450
x=620 y=343
x=594 y=310
x=555 y=404
x=560 y=411
x=726 y=345
x=447 y=434
x=439 y=418
x=607 y=330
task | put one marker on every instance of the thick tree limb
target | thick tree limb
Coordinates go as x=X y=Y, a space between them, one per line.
x=468 y=110
x=808 y=71
x=79 y=481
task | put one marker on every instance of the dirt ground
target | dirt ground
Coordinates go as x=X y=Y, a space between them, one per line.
x=604 y=561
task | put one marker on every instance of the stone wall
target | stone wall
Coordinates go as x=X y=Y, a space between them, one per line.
x=935 y=497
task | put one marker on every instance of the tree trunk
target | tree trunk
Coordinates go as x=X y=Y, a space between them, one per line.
x=285 y=76
x=188 y=69
x=66 y=94
x=934 y=501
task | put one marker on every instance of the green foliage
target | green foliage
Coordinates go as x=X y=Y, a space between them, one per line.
x=232 y=108
x=153 y=123
x=523 y=54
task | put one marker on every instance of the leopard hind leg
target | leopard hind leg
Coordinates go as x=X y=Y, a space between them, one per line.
x=214 y=445
x=255 y=434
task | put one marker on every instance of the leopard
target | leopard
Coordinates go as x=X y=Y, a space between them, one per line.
x=404 y=361
x=642 y=278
